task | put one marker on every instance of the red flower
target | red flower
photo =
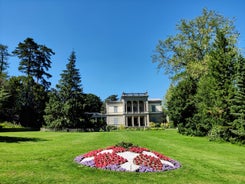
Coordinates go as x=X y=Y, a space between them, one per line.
x=162 y=157
x=118 y=149
x=137 y=149
x=92 y=153
x=148 y=161
x=105 y=159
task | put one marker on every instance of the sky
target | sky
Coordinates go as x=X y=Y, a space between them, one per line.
x=114 y=40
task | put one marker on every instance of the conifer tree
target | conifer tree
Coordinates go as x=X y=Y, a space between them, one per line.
x=34 y=60
x=215 y=97
x=238 y=107
x=65 y=107
x=3 y=58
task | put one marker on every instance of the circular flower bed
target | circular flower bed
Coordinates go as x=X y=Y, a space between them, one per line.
x=127 y=157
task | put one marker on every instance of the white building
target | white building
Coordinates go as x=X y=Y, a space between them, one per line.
x=134 y=110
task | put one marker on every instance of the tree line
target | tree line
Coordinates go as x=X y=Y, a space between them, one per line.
x=207 y=69
x=28 y=100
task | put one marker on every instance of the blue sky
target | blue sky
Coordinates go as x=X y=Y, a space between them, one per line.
x=113 y=39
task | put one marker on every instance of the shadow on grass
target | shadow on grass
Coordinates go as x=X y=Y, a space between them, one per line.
x=8 y=139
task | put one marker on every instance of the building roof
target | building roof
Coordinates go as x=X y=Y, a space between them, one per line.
x=134 y=94
x=154 y=100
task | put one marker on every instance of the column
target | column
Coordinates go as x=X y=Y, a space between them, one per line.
x=138 y=103
x=132 y=121
x=147 y=120
x=132 y=106
x=146 y=106
x=125 y=107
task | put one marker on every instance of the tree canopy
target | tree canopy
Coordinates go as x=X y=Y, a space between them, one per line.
x=34 y=60
x=202 y=60
x=186 y=52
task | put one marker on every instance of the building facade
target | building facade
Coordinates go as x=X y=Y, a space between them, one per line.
x=133 y=110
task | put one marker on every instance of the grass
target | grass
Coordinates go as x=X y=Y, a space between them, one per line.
x=47 y=157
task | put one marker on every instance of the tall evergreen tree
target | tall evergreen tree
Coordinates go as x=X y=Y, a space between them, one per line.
x=3 y=58
x=43 y=65
x=4 y=95
x=238 y=104
x=35 y=60
x=216 y=88
x=27 y=52
x=68 y=99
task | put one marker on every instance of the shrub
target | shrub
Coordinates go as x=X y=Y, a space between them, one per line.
x=152 y=125
x=125 y=144
x=110 y=127
x=9 y=125
x=121 y=127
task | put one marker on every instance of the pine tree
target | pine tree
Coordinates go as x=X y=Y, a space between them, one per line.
x=4 y=95
x=35 y=60
x=238 y=107
x=221 y=72
x=65 y=107
x=3 y=58
x=43 y=65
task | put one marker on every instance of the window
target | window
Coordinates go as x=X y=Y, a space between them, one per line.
x=141 y=105
x=153 y=108
x=135 y=106
x=129 y=121
x=115 y=121
x=129 y=106
x=142 y=121
x=115 y=109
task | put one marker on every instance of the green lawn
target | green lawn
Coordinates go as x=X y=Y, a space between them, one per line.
x=47 y=157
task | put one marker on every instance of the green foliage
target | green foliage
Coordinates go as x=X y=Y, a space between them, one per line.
x=125 y=144
x=184 y=53
x=3 y=97
x=238 y=104
x=205 y=97
x=3 y=58
x=92 y=103
x=110 y=128
x=65 y=106
x=25 y=103
x=152 y=124
x=9 y=125
x=181 y=105
x=54 y=117
x=35 y=60
x=112 y=98
x=121 y=127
